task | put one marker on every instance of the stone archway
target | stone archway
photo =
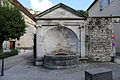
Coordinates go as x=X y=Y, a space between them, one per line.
x=60 y=40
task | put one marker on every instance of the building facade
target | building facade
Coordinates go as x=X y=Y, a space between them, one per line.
x=104 y=8
x=26 y=41
x=58 y=29
x=108 y=8
x=62 y=29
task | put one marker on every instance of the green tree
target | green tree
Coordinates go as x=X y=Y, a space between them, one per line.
x=85 y=13
x=12 y=24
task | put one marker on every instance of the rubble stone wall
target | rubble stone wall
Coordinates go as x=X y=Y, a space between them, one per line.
x=98 y=40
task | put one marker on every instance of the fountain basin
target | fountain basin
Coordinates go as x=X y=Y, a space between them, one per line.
x=61 y=61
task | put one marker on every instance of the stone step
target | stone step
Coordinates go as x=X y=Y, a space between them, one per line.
x=117 y=59
x=99 y=74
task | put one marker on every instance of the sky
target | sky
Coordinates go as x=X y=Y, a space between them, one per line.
x=41 y=5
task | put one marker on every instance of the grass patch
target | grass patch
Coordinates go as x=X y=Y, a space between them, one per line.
x=8 y=54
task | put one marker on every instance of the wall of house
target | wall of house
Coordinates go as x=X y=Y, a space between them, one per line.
x=27 y=40
x=110 y=9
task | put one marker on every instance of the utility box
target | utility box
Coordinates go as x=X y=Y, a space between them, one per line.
x=98 y=74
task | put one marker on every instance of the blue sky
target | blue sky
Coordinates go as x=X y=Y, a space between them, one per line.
x=41 y=5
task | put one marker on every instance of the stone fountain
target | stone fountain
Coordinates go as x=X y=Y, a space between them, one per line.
x=61 y=60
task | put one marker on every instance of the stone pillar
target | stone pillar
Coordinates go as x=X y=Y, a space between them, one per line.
x=82 y=41
x=38 y=40
x=79 y=41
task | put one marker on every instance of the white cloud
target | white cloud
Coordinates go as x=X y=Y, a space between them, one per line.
x=40 y=5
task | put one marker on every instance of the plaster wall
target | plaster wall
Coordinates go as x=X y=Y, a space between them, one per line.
x=111 y=9
x=26 y=41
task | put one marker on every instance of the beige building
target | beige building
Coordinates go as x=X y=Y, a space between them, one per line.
x=108 y=8
x=104 y=8
x=26 y=41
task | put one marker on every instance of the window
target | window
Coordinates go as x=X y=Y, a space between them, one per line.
x=1 y=3
x=4 y=3
x=103 y=4
x=110 y=1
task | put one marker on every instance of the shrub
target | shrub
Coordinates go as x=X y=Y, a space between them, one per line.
x=14 y=51
x=8 y=54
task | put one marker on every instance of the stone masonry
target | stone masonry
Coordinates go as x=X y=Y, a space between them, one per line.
x=98 y=39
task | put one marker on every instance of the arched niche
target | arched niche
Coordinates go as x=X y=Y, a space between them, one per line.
x=60 y=39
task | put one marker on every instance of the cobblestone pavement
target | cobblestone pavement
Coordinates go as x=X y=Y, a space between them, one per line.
x=26 y=71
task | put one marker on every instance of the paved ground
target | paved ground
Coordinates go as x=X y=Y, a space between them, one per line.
x=21 y=68
x=26 y=71
x=15 y=60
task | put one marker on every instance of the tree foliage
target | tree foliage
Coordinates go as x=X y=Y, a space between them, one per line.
x=85 y=13
x=12 y=24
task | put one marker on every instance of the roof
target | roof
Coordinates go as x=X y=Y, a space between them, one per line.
x=23 y=9
x=62 y=6
x=92 y=4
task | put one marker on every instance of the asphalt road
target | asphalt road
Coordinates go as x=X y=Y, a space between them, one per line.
x=15 y=60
